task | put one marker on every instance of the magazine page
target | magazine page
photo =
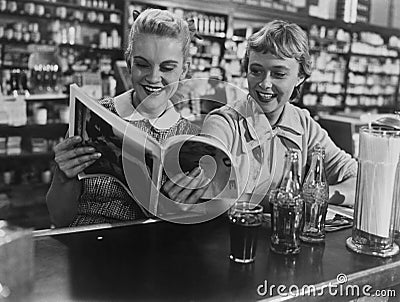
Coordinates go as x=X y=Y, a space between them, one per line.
x=184 y=153
x=119 y=142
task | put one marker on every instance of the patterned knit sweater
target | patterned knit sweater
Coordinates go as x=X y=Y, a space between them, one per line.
x=103 y=199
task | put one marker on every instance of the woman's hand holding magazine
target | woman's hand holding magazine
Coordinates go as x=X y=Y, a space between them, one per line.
x=72 y=159
x=187 y=189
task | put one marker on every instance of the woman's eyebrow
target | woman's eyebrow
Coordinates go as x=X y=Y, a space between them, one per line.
x=170 y=62
x=281 y=67
x=256 y=65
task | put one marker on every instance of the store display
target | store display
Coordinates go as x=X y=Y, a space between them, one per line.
x=358 y=69
x=77 y=28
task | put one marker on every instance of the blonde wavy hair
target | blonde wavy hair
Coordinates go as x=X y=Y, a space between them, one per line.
x=161 y=23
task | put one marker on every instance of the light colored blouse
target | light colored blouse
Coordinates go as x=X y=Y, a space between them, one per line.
x=259 y=149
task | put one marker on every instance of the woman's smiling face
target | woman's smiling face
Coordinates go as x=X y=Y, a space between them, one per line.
x=271 y=82
x=156 y=63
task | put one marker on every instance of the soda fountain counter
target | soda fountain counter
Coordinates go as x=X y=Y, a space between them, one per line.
x=157 y=260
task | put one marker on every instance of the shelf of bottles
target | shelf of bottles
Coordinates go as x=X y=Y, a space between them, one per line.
x=355 y=70
x=208 y=49
x=84 y=34
x=373 y=72
x=235 y=48
x=293 y=6
x=93 y=24
x=30 y=127
x=394 y=43
x=326 y=86
x=25 y=155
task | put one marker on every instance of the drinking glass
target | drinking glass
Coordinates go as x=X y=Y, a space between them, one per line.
x=245 y=219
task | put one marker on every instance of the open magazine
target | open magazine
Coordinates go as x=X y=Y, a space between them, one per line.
x=139 y=163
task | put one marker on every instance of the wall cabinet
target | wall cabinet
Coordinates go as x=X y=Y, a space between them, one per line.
x=81 y=35
x=354 y=68
x=26 y=155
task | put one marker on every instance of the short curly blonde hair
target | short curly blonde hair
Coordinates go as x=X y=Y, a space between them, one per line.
x=284 y=40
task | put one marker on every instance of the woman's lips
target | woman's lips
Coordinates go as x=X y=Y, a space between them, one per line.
x=152 y=90
x=265 y=97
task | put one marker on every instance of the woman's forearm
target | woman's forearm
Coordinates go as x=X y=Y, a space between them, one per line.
x=62 y=199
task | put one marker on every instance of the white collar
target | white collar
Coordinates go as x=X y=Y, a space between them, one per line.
x=123 y=106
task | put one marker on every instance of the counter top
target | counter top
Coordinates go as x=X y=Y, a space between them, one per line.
x=166 y=261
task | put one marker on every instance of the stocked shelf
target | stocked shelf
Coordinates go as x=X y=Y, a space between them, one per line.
x=13 y=66
x=382 y=107
x=64 y=43
x=108 y=9
x=104 y=24
x=34 y=130
x=30 y=213
x=319 y=40
x=314 y=50
x=203 y=56
x=372 y=55
x=74 y=46
x=369 y=94
x=214 y=35
x=366 y=71
x=92 y=48
x=372 y=73
x=325 y=82
x=47 y=97
x=25 y=155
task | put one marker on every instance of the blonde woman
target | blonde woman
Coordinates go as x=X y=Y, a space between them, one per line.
x=158 y=58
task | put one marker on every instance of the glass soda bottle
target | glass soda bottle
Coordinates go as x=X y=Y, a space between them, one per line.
x=287 y=208
x=316 y=196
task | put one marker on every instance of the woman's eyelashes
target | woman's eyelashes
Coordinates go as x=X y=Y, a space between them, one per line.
x=256 y=71
x=141 y=64
x=163 y=68
x=278 y=75
x=274 y=74
x=167 y=68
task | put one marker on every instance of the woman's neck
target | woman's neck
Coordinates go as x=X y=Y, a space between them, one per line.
x=148 y=112
x=275 y=116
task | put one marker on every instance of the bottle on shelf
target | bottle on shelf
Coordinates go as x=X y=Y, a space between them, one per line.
x=71 y=34
x=200 y=24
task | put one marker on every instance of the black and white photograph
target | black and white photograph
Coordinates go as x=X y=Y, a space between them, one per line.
x=186 y=150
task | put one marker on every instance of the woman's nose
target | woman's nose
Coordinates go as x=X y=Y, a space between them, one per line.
x=266 y=82
x=154 y=76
